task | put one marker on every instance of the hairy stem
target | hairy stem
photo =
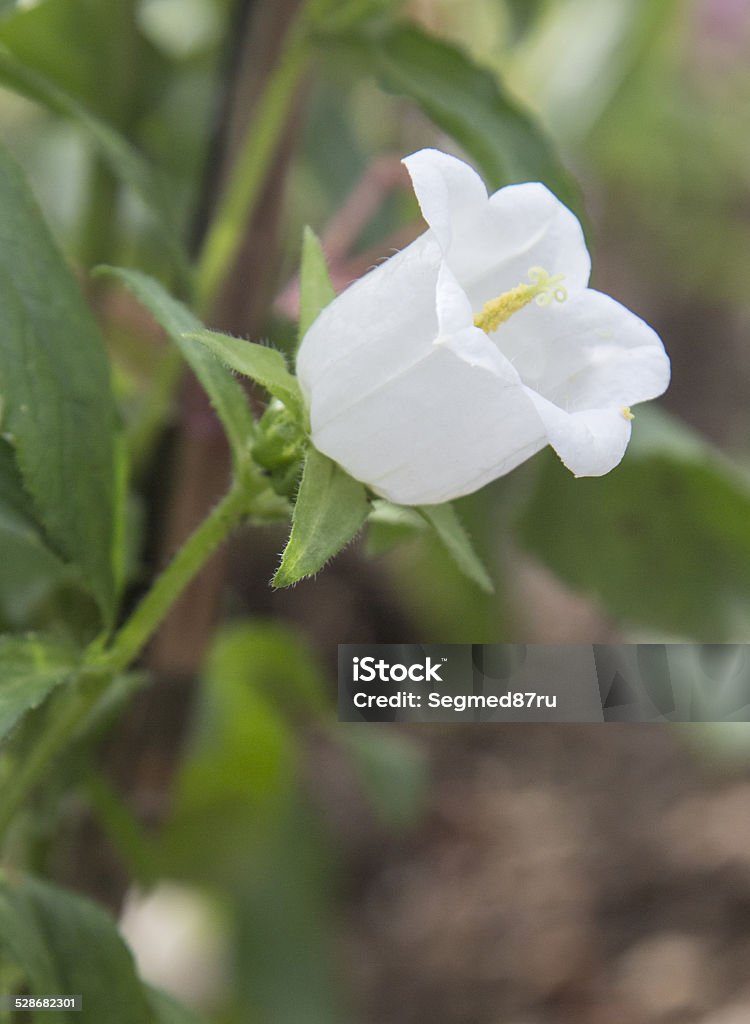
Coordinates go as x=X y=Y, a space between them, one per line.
x=74 y=707
x=198 y=548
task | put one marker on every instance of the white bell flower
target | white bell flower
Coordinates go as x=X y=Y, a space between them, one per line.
x=473 y=348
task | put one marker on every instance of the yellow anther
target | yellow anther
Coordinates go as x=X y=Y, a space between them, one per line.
x=626 y=413
x=543 y=289
x=548 y=288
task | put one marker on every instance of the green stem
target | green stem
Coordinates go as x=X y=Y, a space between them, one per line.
x=68 y=714
x=251 y=166
x=98 y=231
x=146 y=618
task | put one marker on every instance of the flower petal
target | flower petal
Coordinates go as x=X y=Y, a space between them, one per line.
x=444 y=427
x=524 y=226
x=585 y=353
x=379 y=326
x=491 y=243
x=448 y=191
x=454 y=312
x=590 y=443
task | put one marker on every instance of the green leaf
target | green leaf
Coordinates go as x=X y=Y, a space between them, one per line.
x=240 y=822
x=122 y=159
x=31 y=571
x=272 y=660
x=68 y=945
x=265 y=365
x=286 y=933
x=79 y=46
x=57 y=405
x=30 y=668
x=239 y=766
x=663 y=540
x=337 y=16
x=225 y=393
x=315 y=288
x=447 y=525
x=331 y=507
x=468 y=103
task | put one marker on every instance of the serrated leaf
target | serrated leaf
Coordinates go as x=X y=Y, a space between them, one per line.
x=122 y=159
x=265 y=365
x=663 y=540
x=315 y=288
x=447 y=525
x=67 y=945
x=30 y=668
x=330 y=510
x=55 y=388
x=225 y=393
x=467 y=102
x=31 y=571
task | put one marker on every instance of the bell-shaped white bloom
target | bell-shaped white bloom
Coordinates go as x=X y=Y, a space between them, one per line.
x=473 y=348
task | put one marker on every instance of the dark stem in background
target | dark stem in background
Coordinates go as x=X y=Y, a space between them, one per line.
x=219 y=133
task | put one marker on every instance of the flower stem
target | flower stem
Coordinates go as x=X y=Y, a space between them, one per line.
x=146 y=618
x=81 y=699
x=251 y=166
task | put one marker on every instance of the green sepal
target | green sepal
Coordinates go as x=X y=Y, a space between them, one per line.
x=330 y=510
x=280 y=448
x=315 y=288
x=389 y=526
x=265 y=365
x=444 y=520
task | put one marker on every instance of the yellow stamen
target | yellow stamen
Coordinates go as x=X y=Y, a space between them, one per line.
x=543 y=289
x=626 y=413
